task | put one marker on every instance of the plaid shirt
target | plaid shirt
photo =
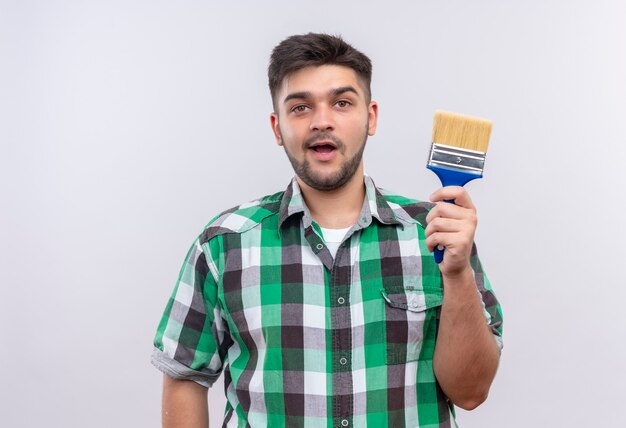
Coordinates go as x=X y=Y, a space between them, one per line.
x=306 y=340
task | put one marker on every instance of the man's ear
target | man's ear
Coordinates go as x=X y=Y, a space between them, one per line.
x=276 y=128
x=372 y=115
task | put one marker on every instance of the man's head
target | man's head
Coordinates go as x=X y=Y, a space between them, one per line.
x=315 y=49
x=323 y=112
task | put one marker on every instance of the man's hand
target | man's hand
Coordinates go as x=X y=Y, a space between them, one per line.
x=452 y=226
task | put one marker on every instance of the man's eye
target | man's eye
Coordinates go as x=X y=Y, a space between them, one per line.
x=343 y=103
x=299 y=109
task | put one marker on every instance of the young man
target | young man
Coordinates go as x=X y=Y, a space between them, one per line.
x=322 y=304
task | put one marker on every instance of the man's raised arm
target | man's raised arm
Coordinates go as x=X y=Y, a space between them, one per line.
x=466 y=355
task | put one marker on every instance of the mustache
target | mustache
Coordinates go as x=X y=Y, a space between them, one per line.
x=323 y=136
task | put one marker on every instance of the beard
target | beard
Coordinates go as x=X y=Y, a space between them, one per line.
x=332 y=181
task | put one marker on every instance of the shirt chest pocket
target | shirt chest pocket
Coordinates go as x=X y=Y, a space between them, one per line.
x=410 y=325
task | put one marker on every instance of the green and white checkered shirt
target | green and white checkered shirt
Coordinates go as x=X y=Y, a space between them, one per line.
x=306 y=340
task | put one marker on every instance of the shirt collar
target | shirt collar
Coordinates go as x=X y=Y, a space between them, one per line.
x=374 y=205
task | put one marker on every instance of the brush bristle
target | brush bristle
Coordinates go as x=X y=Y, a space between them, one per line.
x=462 y=131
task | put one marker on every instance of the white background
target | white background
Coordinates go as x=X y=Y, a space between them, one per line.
x=126 y=125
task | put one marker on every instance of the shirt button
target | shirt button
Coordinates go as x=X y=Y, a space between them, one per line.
x=343 y=361
x=341 y=300
x=414 y=304
x=319 y=246
x=344 y=422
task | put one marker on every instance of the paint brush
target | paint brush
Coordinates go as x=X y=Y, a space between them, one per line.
x=457 y=154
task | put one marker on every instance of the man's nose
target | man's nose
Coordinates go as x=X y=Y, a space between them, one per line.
x=322 y=119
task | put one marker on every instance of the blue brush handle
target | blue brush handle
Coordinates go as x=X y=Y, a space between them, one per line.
x=450 y=177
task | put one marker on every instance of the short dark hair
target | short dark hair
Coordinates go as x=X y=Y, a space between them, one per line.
x=315 y=49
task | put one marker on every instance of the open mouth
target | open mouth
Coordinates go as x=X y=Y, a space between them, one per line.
x=323 y=148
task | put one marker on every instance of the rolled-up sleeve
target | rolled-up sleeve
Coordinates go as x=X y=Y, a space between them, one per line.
x=191 y=340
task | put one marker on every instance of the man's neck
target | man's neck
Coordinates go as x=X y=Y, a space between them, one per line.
x=339 y=208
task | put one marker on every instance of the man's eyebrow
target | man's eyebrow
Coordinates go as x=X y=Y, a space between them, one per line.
x=342 y=90
x=298 y=96
x=333 y=93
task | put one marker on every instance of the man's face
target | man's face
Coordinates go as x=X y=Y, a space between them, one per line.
x=322 y=120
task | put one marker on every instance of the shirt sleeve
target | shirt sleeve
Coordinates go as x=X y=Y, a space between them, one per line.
x=191 y=340
x=491 y=306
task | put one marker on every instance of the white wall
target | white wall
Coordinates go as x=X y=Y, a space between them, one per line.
x=126 y=125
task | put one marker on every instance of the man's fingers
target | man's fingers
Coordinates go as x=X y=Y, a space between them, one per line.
x=453 y=193
x=451 y=211
x=446 y=231
x=431 y=242
x=443 y=240
x=440 y=224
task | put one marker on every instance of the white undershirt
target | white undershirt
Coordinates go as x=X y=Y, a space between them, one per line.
x=333 y=238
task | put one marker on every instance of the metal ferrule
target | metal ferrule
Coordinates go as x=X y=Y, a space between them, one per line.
x=458 y=159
